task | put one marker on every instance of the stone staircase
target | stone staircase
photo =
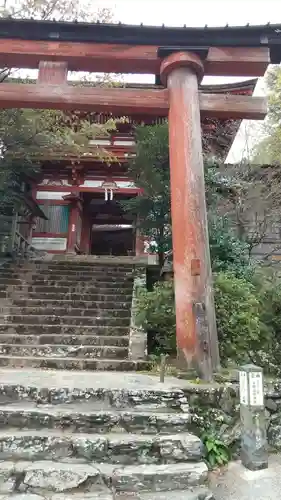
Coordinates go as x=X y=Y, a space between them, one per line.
x=100 y=433
x=66 y=315
x=97 y=436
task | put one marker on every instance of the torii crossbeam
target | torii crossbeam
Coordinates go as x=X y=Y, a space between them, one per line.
x=179 y=58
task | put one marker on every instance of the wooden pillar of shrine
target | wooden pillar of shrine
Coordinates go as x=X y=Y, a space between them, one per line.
x=73 y=221
x=195 y=313
x=86 y=233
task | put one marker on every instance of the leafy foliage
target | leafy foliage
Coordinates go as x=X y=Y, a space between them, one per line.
x=217 y=453
x=268 y=150
x=156 y=312
x=228 y=252
x=27 y=136
x=238 y=317
x=150 y=171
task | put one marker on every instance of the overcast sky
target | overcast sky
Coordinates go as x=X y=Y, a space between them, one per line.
x=197 y=12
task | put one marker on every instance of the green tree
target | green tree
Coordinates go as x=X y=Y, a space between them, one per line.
x=150 y=171
x=268 y=149
x=27 y=135
x=238 y=318
x=152 y=210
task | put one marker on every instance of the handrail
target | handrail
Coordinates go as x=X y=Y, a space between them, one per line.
x=13 y=242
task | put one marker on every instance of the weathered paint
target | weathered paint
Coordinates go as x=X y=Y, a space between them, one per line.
x=189 y=216
x=53 y=73
x=121 y=58
x=123 y=101
x=72 y=227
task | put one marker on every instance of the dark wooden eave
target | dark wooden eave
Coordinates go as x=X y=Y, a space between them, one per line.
x=163 y=36
x=117 y=48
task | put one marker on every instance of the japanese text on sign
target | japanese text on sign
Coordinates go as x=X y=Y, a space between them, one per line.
x=256 y=389
x=244 y=393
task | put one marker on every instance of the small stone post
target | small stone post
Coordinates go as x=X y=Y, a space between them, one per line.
x=254 y=453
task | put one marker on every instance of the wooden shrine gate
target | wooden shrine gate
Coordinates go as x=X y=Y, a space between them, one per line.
x=179 y=57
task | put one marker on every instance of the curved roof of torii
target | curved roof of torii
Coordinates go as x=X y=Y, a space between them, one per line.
x=267 y=35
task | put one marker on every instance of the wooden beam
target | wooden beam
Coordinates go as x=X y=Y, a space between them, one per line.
x=232 y=106
x=53 y=73
x=109 y=58
x=124 y=101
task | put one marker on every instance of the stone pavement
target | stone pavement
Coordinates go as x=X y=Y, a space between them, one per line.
x=238 y=483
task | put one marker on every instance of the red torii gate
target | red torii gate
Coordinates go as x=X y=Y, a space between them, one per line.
x=180 y=57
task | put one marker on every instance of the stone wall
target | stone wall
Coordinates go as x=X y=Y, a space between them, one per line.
x=216 y=407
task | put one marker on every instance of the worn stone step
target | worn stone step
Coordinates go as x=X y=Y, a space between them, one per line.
x=67 y=290
x=88 y=282
x=35 y=329
x=38 y=266
x=125 y=390
x=101 y=320
x=49 y=310
x=102 y=493
x=68 y=340
x=98 y=481
x=85 y=417
x=64 y=351
x=193 y=493
x=93 y=271
x=67 y=282
x=107 y=303
x=111 y=447
x=71 y=363
x=25 y=294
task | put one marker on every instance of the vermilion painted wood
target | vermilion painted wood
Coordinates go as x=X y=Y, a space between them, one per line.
x=125 y=101
x=189 y=216
x=72 y=227
x=109 y=58
x=53 y=73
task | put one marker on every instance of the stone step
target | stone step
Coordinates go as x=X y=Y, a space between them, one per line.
x=101 y=320
x=193 y=493
x=73 y=330
x=67 y=281
x=141 y=392
x=49 y=310
x=64 y=351
x=13 y=272
x=85 y=417
x=98 y=481
x=124 y=448
x=67 y=340
x=71 y=363
x=25 y=294
x=199 y=493
x=107 y=303
x=38 y=266
x=64 y=290
x=102 y=278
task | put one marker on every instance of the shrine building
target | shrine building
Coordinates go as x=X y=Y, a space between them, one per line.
x=81 y=197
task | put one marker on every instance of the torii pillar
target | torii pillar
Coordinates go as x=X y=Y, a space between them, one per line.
x=195 y=313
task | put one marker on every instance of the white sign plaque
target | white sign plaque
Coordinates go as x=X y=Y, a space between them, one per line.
x=243 y=388
x=256 y=389
x=49 y=243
